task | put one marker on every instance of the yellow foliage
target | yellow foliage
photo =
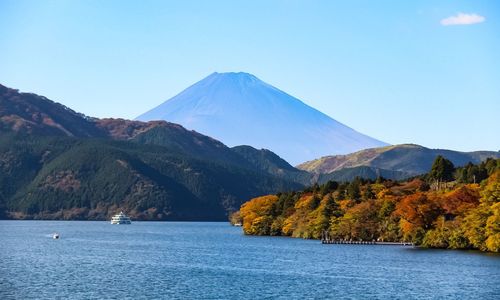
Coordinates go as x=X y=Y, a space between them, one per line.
x=377 y=188
x=288 y=225
x=383 y=192
x=253 y=211
x=491 y=192
x=493 y=229
x=303 y=202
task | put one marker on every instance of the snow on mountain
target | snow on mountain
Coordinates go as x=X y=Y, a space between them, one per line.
x=240 y=109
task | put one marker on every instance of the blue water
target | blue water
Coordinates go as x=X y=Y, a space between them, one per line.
x=216 y=261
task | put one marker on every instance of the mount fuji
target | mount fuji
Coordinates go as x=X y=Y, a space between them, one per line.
x=240 y=109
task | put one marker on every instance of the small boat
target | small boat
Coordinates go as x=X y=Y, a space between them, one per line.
x=120 y=218
x=55 y=236
x=238 y=224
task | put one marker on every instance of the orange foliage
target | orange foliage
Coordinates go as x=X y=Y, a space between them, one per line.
x=345 y=204
x=461 y=200
x=418 y=210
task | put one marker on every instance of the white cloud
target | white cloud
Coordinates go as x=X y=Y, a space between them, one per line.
x=463 y=19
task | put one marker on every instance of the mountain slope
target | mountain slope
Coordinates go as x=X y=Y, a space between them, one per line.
x=240 y=109
x=30 y=113
x=406 y=158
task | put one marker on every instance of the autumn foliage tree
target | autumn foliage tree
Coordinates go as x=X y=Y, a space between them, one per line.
x=417 y=212
x=256 y=215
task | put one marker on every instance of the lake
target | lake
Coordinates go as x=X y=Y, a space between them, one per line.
x=177 y=260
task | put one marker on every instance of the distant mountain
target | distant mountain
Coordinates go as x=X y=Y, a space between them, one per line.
x=59 y=164
x=407 y=159
x=240 y=109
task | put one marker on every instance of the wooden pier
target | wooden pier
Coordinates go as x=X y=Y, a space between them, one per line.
x=365 y=243
x=325 y=239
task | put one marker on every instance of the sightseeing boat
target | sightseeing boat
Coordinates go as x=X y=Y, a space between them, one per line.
x=120 y=218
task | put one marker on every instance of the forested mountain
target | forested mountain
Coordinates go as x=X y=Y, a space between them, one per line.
x=405 y=160
x=58 y=164
x=70 y=178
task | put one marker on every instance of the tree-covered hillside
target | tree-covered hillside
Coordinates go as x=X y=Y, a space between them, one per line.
x=446 y=208
x=70 y=178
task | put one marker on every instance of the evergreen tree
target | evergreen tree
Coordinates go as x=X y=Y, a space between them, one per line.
x=368 y=193
x=353 y=191
x=332 y=208
x=491 y=165
x=442 y=169
x=328 y=187
x=380 y=179
x=315 y=202
x=461 y=174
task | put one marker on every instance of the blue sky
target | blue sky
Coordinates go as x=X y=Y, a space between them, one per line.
x=389 y=69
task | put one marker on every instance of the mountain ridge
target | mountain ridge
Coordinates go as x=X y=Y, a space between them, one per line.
x=34 y=114
x=408 y=158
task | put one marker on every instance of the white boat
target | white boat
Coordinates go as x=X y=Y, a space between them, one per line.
x=120 y=218
x=55 y=236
